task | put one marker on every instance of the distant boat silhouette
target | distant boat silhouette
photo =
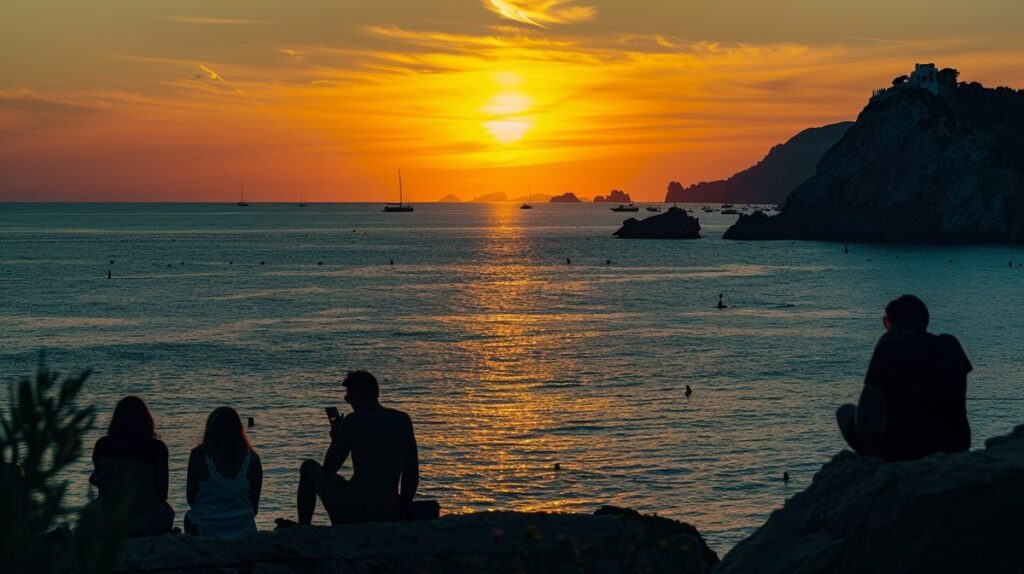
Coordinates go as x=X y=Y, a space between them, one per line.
x=624 y=207
x=401 y=206
x=302 y=201
x=527 y=204
x=727 y=205
x=652 y=208
x=241 y=195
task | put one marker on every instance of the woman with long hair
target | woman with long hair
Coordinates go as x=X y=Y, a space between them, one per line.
x=130 y=469
x=225 y=477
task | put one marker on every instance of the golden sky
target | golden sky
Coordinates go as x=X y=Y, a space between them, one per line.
x=180 y=101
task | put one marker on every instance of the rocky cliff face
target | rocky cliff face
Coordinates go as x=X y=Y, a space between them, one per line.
x=914 y=168
x=785 y=167
x=944 y=513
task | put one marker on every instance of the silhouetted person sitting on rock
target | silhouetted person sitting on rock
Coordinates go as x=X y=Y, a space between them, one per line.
x=225 y=478
x=130 y=470
x=385 y=463
x=914 y=399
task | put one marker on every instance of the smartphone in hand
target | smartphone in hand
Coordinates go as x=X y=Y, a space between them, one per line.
x=333 y=415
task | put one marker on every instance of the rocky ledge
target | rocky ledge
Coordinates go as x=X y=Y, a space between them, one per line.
x=673 y=224
x=944 y=513
x=611 y=540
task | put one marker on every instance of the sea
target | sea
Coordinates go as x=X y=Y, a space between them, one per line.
x=543 y=361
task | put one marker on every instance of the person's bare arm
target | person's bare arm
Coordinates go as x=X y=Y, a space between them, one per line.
x=255 y=483
x=339 y=449
x=871 y=412
x=410 y=470
x=196 y=474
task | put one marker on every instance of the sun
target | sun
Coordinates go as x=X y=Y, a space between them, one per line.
x=507 y=116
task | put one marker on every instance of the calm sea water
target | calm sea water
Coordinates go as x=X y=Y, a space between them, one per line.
x=508 y=359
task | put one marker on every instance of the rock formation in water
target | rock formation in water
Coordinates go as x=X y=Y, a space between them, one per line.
x=450 y=198
x=917 y=166
x=673 y=224
x=944 y=513
x=786 y=166
x=566 y=198
x=497 y=196
x=614 y=196
x=613 y=540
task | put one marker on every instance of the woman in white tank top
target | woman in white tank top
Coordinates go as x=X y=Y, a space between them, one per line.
x=225 y=477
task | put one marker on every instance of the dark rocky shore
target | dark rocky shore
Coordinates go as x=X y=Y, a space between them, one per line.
x=612 y=540
x=916 y=167
x=673 y=224
x=945 y=513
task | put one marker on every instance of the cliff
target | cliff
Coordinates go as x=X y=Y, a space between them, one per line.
x=673 y=224
x=786 y=166
x=944 y=513
x=566 y=198
x=916 y=167
x=450 y=198
x=614 y=196
x=612 y=540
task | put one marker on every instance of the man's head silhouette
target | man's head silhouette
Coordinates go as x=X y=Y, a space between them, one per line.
x=361 y=389
x=906 y=313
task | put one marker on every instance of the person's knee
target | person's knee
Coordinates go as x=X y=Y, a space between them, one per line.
x=309 y=467
x=845 y=414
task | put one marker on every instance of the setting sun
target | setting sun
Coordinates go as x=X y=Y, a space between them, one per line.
x=508 y=121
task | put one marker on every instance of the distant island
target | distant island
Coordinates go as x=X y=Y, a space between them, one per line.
x=786 y=166
x=614 y=196
x=450 y=199
x=673 y=224
x=928 y=161
x=567 y=197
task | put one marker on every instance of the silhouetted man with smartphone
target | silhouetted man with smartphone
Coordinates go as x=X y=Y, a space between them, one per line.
x=914 y=399
x=385 y=464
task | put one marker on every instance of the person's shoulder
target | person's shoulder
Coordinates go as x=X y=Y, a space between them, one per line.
x=947 y=339
x=102 y=447
x=158 y=447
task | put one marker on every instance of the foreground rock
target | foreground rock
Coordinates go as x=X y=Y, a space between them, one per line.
x=613 y=540
x=673 y=224
x=786 y=166
x=945 y=513
x=916 y=167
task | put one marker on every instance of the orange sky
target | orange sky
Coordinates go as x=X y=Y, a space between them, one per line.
x=179 y=101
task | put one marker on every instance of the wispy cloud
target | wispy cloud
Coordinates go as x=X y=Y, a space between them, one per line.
x=541 y=13
x=215 y=21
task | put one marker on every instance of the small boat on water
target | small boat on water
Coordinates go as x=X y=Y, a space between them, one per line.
x=652 y=208
x=730 y=212
x=624 y=207
x=401 y=206
x=302 y=201
x=241 y=196
x=526 y=205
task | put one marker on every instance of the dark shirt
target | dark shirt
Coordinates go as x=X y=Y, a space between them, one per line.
x=148 y=449
x=383 y=449
x=923 y=378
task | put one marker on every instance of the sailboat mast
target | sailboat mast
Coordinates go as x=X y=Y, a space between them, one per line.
x=400 y=199
x=241 y=192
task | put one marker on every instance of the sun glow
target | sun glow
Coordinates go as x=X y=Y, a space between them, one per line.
x=508 y=118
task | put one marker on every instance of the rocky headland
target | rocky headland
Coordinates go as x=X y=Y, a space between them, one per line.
x=568 y=197
x=786 y=166
x=614 y=196
x=673 y=224
x=917 y=167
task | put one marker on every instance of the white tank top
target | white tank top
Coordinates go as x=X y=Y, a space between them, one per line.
x=222 y=508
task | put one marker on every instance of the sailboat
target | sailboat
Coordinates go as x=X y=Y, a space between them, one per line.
x=653 y=208
x=302 y=201
x=401 y=206
x=241 y=195
x=527 y=204
x=727 y=205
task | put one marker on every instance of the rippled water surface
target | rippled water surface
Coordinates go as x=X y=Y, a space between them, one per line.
x=508 y=359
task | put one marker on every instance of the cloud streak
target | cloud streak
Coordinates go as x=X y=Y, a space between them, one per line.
x=203 y=21
x=541 y=13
